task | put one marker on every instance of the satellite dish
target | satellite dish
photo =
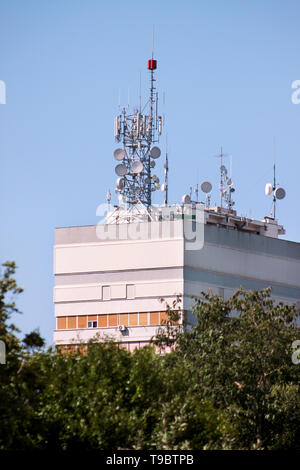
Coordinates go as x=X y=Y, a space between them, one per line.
x=186 y=199
x=152 y=163
x=206 y=187
x=120 y=183
x=268 y=189
x=119 y=154
x=157 y=185
x=279 y=193
x=137 y=167
x=155 y=152
x=121 y=169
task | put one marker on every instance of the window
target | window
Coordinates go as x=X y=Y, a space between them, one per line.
x=92 y=324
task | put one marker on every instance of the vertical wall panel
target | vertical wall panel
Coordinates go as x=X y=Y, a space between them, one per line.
x=61 y=323
x=143 y=319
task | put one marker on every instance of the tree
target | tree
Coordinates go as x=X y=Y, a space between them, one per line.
x=239 y=354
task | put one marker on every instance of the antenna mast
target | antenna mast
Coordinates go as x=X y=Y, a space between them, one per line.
x=138 y=132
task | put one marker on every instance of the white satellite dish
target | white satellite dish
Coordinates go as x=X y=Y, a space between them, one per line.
x=120 y=183
x=186 y=199
x=119 y=154
x=279 y=193
x=155 y=152
x=268 y=189
x=137 y=167
x=206 y=187
x=121 y=169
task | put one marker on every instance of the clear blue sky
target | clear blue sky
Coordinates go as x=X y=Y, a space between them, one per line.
x=226 y=69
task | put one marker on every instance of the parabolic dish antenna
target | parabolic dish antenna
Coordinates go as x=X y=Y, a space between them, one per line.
x=152 y=164
x=268 y=189
x=137 y=167
x=186 y=199
x=206 y=187
x=155 y=152
x=120 y=183
x=121 y=170
x=279 y=193
x=119 y=154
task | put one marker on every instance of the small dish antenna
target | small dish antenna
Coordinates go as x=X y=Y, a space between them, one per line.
x=186 y=199
x=206 y=187
x=155 y=152
x=137 y=167
x=121 y=170
x=119 y=154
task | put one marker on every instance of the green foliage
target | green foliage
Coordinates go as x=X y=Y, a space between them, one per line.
x=228 y=383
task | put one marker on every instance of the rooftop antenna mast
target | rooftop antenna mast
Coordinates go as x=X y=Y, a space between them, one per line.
x=138 y=132
x=226 y=184
x=278 y=192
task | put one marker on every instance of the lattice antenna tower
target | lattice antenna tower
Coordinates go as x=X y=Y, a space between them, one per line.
x=138 y=132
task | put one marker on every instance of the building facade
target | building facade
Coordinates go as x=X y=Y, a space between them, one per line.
x=110 y=278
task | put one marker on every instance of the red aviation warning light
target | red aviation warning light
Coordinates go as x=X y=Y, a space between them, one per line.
x=152 y=64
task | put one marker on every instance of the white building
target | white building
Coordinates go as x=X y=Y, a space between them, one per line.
x=109 y=278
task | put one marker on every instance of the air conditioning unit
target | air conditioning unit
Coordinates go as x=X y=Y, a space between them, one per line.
x=122 y=328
